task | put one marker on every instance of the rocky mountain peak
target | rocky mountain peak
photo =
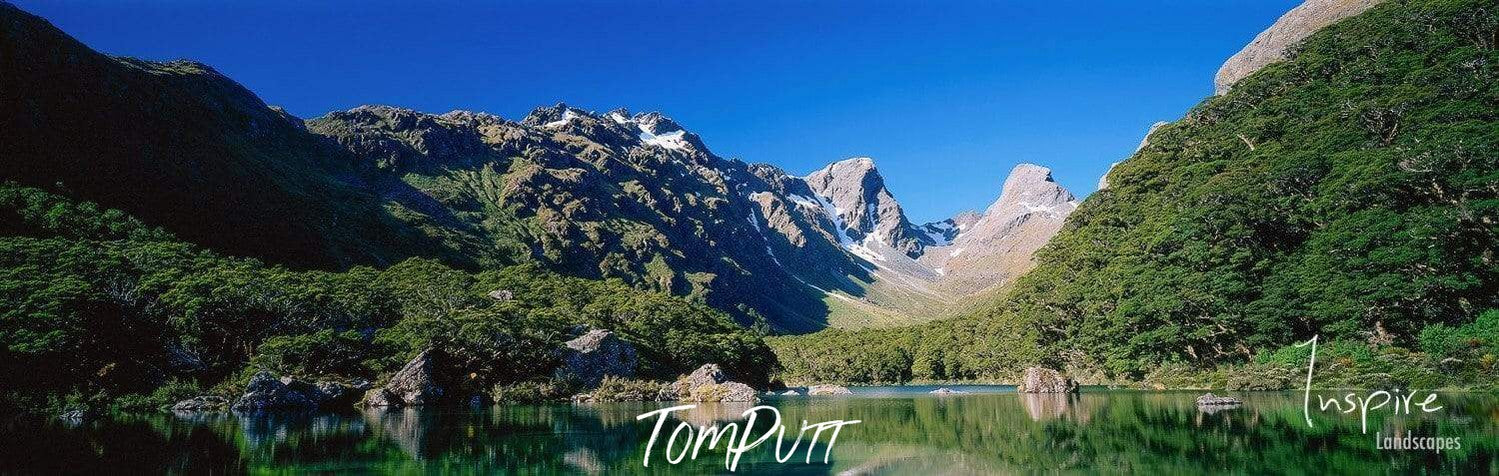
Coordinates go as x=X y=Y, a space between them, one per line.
x=965 y=218
x=985 y=250
x=1270 y=45
x=555 y=116
x=658 y=130
x=473 y=117
x=1029 y=189
x=865 y=207
x=405 y=139
x=656 y=123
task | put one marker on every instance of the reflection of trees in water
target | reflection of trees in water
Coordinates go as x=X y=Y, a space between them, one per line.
x=1115 y=431
x=126 y=444
x=864 y=459
x=1151 y=432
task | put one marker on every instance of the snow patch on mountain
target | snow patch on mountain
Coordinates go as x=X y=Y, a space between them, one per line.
x=670 y=140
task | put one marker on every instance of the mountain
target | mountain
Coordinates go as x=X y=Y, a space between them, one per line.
x=179 y=145
x=611 y=195
x=997 y=247
x=1349 y=192
x=866 y=210
x=638 y=197
x=1290 y=29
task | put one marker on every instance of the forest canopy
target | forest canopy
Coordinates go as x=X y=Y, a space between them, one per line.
x=1350 y=192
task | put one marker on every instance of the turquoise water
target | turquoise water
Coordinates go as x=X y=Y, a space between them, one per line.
x=903 y=430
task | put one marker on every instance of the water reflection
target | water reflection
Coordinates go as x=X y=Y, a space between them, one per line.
x=957 y=434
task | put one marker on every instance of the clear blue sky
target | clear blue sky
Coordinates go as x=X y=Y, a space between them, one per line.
x=946 y=98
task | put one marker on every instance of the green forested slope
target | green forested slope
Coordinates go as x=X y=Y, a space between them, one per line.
x=96 y=307
x=1350 y=192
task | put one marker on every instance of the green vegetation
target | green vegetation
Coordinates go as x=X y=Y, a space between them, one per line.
x=615 y=389
x=182 y=147
x=1350 y=192
x=98 y=308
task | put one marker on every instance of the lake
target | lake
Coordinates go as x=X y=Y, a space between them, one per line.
x=903 y=430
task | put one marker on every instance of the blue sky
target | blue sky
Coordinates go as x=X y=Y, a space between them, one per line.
x=946 y=97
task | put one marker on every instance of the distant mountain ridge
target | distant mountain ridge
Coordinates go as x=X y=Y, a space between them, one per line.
x=641 y=198
x=629 y=196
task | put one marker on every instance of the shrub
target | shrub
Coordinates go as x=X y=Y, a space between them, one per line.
x=532 y=392
x=324 y=353
x=614 y=389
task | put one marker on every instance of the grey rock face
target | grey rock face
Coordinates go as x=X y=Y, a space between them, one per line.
x=828 y=390
x=203 y=403
x=1270 y=45
x=708 y=374
x=998 y=246
x=709 y=383
x=1044 y=380
x=597 y=354
x=267 y=393
x=380 y=397
x=414 y=385
x=334 y=394
x=863 y=204
x=722 y=392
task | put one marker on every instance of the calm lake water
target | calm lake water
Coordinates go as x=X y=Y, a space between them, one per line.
x=903 y=431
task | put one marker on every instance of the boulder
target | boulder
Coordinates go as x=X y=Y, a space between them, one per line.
x=828 y=390
x=202 y=403
x=266 y=393
x=1210 y=400
x=946 y=391
x=1044 y=380
x=594 y=355
x=710 y=383
x=708 y=374
x=379 y=397
x=334 y=394
x=789 y=393
x=722 y=392
x=501 y=295
x=414 y=385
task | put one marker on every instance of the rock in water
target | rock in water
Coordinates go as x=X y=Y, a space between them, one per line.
x=334 y=394
x=265 y=393
x=708 y=374
x=1044 y=380
x=415 y=384
x=597 y=354
x=828 y=390
x=203 y=403
x=946 y=391
x=380 y=397
x=1210 y=400
x=709 y=383
x=1270 y=45
x=789 y=393
x=722 y=392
